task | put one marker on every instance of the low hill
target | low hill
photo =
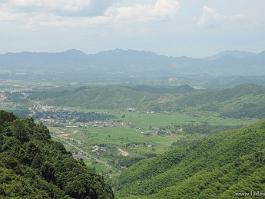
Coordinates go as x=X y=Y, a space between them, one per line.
x=34 y=166
x=109 y=97
x=219 y=166
x=242 y=101
x=246 y=100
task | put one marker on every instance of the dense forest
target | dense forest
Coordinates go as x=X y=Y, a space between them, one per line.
x=223 y=165
x=32 y=165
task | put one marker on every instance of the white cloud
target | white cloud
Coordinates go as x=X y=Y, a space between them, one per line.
x=76 y=12
x=51 y=5
x=144 y=12
x=6 y=15
x=211 y=17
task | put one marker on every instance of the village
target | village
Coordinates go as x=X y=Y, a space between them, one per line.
x=57 y=116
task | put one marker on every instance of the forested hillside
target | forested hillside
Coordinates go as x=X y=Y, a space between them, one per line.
x=219 y=166
x=246 y=100
x=242 y=101
x=109 y=97
x=34 y=166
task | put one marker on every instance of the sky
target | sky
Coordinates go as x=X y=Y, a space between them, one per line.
x=196 y=28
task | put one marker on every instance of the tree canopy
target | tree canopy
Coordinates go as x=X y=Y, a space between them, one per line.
x=32 y=165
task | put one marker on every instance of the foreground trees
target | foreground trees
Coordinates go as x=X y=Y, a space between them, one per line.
x=34 y=166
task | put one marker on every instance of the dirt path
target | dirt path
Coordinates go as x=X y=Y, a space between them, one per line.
x=87 y=155
x=123 y=153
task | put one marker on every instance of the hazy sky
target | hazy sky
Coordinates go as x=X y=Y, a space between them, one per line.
x=172 y=27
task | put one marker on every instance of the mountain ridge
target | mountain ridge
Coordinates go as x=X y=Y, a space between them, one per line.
x=133 y=62
x=232 y=54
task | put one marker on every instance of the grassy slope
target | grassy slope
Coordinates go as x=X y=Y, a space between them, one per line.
x=217 y=167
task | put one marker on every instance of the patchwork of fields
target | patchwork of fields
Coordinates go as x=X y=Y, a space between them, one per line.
x=112 y=149
x=138 y=122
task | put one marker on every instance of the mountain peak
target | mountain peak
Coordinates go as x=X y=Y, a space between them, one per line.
x=74 y=51
x=262 y=53
x=231 y=54
x=129 y=52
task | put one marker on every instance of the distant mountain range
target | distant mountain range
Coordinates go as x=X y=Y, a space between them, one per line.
x=232 y=54
x=132 y=62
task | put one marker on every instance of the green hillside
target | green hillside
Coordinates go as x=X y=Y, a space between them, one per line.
x=34 y=166
x=210 y=96
x=110 y=97
x=243 y=101
x=219 y=166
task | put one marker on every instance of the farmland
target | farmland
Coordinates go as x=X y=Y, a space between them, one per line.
x=147 y=121
x=111 y=149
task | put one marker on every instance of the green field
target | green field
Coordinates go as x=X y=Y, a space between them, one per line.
x=114 y=139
